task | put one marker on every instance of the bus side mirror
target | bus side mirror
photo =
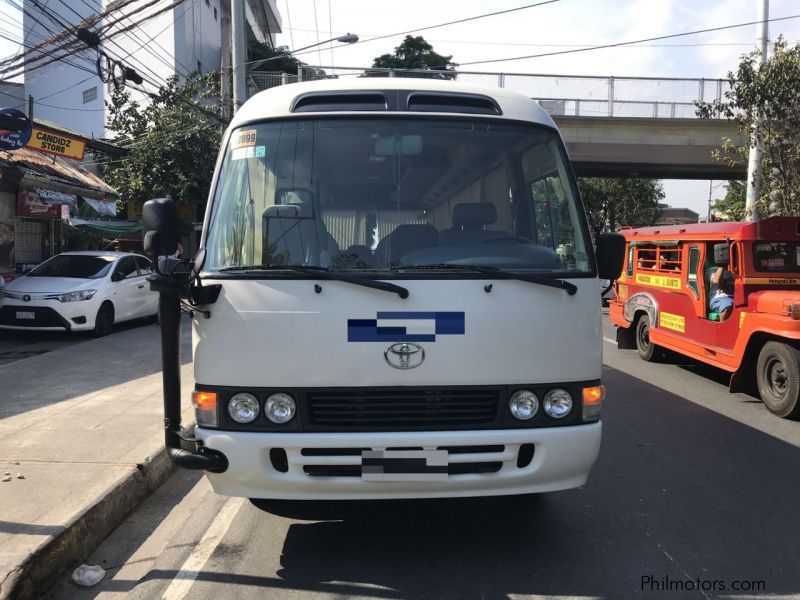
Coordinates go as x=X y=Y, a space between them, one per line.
x=610 y=254
x=160 y=227
x=722 y=254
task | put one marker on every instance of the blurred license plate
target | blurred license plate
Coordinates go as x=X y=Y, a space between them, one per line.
x=404 y=465
x=25 y=315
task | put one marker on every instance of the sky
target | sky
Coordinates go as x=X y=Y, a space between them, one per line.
x=561 y=25
x=558 y=26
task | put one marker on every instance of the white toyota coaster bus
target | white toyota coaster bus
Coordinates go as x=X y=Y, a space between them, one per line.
x=396 y=297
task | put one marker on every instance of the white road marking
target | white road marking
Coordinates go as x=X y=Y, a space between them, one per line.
x=184 y=579
x=609 y=340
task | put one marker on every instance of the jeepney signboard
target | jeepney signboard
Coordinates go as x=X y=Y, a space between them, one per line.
x=662 y=281
x=670 y=321
x=57 y=143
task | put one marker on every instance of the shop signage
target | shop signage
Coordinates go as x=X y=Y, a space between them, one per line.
x=57 y=143
x=30 y=205
x=13 y=139
x=54 y=196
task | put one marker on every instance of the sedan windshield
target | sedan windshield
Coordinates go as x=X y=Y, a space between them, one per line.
x=376 y=196
x=79 y=266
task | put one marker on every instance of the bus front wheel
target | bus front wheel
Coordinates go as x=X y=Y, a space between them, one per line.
x=778 y=376
x=646 y=348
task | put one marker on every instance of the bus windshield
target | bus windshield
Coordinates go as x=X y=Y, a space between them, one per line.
x=379 y=195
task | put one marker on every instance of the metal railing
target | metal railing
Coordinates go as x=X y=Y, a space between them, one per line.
x=568 y=95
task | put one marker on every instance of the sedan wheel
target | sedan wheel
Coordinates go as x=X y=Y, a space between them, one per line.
x=104 y=322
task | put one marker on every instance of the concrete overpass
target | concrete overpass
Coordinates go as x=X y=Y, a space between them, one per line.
x=613 y=126
x=646 y=147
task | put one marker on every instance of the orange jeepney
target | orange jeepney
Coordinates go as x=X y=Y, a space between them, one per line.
x=664 y=301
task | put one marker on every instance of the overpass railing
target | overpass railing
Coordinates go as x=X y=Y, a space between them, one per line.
x=571 y=95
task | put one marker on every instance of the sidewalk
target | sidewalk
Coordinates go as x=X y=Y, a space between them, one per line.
x=83 y=426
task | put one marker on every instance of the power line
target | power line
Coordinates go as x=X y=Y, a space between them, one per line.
x=616 y=44
x=464 y=20
x=551 y=45
x=289 y=19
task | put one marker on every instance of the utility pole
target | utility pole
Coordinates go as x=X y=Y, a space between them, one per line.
x=708 y=217
x=754 y=162
x=238 y=58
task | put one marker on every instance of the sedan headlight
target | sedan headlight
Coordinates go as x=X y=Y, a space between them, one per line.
x=557 y=403
x=75 y=296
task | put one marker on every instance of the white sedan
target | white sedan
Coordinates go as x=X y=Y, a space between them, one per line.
x=80 y=291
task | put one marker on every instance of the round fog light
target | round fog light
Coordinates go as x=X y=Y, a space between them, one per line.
x=280 y=408
x=557 y=403
x=523 y=405
x=243 y=407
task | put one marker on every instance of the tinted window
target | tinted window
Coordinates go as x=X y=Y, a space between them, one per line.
x=79 y=266
x=694 y=261
x=145 y=266
x=777 y=257
x=126 y=268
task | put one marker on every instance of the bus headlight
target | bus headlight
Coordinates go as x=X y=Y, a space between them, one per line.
x=523 y=405
x=243 y=407
x=557 y=403
x=280 y=408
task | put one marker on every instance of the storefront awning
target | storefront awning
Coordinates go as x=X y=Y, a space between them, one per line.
x=108 y=228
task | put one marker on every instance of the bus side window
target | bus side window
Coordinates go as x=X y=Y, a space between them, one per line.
x=694 y=263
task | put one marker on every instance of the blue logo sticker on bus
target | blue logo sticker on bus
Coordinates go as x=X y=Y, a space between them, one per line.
x=405 y=327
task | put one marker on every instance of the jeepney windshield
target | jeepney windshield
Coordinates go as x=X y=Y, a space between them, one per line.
x=776 y=257
x=376 y=195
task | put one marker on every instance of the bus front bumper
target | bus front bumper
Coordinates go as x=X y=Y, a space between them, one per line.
x=562 y=459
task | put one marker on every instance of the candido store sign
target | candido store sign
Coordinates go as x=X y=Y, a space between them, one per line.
x=57 y=143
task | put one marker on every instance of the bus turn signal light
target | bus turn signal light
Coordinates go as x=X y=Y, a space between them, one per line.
x=593 y=402
x=205 y=408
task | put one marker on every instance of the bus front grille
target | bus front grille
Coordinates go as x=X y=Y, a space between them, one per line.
x=403 y=409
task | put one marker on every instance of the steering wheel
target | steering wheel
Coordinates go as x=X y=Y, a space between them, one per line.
x=516 y=239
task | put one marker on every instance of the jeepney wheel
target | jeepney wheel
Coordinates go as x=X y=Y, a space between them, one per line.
x=646 y=348
x=778 y=375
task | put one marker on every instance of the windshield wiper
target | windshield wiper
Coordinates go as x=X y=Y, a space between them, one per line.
x=321 y=273
x=499 y=273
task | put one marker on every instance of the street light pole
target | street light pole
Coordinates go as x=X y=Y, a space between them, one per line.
x=754 y=162
x=349 y=38
x=238 y=57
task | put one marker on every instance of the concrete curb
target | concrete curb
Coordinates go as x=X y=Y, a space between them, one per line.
x=64 y=550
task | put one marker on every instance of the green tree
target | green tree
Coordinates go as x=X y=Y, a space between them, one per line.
x=280 y=61
x=173 y=140
x=731 y=207
x=764 y=99
x=416 y=53
x=612 y=203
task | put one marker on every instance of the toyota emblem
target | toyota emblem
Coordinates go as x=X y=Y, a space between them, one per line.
x=404 y=355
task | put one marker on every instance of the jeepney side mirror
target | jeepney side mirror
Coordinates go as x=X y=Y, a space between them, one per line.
x=160 y=227
x=722 y=254
x=610 y=254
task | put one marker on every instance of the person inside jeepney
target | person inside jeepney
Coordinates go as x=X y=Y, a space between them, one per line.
x=721 y=292
x=646 y=259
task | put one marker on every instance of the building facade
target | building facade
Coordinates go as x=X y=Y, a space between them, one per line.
x=190 y=37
